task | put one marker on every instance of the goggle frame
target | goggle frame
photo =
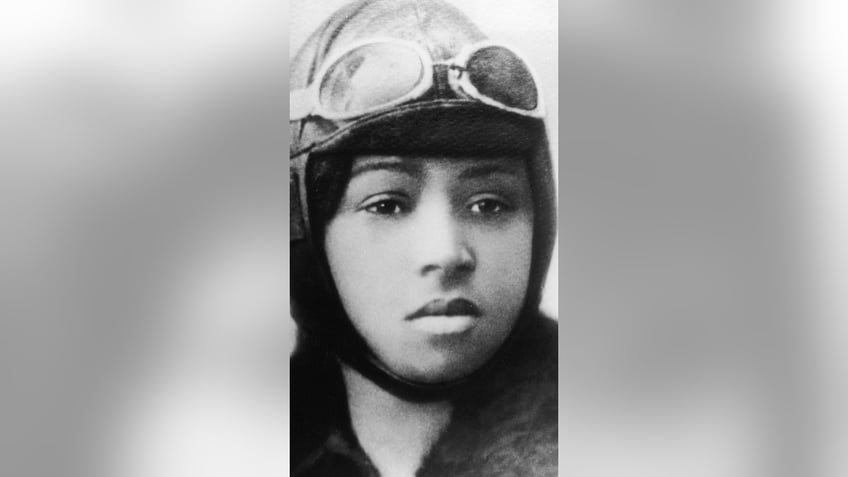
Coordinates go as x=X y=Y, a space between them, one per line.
x=306 y=102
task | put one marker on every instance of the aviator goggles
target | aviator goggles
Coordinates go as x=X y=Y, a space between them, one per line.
x=378 y=74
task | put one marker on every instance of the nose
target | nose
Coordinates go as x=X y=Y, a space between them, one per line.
x=441 y=244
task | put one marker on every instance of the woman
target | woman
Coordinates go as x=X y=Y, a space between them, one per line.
x=423 y=219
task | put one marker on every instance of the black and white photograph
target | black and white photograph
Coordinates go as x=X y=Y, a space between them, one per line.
x=423 y=221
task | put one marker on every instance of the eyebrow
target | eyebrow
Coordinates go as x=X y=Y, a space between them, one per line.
x=484 y=170
x=410 y=168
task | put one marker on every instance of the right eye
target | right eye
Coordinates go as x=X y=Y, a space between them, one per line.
x=386 y=207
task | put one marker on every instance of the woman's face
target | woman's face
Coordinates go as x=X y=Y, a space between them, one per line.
x=431 y=257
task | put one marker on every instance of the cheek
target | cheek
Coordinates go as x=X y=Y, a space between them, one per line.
x=363 y=266
x=504 y=257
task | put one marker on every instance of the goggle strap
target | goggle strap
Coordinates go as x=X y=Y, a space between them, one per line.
x=298 y=217
x=297 y=229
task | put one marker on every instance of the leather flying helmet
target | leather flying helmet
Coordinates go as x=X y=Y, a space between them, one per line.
x=395 y=77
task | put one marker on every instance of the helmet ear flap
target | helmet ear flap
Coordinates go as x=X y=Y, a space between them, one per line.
x=315 y=187
x=310 y=304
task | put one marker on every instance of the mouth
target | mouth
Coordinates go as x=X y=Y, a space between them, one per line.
x=443 y=317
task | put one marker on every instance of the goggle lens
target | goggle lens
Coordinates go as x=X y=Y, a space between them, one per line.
x=370 y=77
x=501 y=75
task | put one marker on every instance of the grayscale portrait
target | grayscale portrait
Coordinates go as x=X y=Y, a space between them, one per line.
x=423 y=224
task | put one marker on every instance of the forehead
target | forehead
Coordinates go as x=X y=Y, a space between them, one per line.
x=423 y=165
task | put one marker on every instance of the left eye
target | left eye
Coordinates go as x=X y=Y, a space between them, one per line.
x=487 y=207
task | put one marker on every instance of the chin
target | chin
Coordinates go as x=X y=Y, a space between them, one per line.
x=438 y=373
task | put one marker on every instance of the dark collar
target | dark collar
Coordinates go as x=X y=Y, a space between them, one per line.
x=506 y=424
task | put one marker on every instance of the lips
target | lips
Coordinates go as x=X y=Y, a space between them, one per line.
x=442 y=307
